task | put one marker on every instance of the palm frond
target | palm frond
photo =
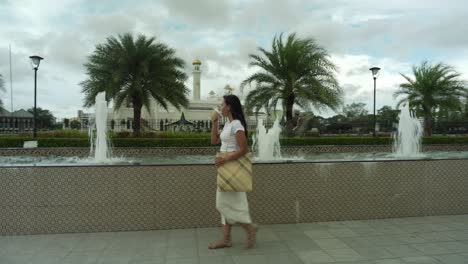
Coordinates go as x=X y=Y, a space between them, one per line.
x=293 y=68
x=135 y=69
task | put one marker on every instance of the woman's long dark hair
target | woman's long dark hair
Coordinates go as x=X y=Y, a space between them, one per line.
x=236 y=110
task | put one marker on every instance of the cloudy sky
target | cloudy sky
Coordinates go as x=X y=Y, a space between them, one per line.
x=359 y=34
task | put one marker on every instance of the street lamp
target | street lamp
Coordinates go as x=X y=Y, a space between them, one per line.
x=35 y=61
x=375 y=73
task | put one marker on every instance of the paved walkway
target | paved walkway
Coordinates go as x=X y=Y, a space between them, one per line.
x=435 y=239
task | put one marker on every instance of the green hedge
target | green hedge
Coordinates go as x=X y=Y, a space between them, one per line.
x=445 y=140
x=71 y=133
x=366 y=141
x=63 y=133
x=161 y=142
x=11 y=142
x=116 y=142
x=334 y=141
x=17 y=142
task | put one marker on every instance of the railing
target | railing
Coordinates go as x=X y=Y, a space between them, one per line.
x=307 y=128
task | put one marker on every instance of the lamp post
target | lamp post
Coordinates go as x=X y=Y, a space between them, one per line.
x=375 y=73
x=35 y=61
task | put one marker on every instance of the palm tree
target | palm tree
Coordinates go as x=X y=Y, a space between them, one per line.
x=2 y=88
x=433 y=87
x=297 y=71
x=133 y=71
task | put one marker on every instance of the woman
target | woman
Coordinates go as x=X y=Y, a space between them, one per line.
x=233 y=206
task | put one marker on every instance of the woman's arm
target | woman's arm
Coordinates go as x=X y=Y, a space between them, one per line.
x=243 y=146
x=215 y=140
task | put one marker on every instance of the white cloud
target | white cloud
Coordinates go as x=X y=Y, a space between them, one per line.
x=393 y=35
x=357 y=82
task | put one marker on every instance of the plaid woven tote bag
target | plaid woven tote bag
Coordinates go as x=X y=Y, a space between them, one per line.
x=235 y=175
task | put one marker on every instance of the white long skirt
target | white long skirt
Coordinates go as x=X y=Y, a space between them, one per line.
x=233 y=207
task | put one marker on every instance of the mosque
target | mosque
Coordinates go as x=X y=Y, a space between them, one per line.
x=197 y=111
x=194 y=117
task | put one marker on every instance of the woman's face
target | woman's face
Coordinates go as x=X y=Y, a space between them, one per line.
x=225 y=109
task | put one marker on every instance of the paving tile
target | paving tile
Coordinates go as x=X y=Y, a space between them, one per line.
x=291 y=235
x=289 y=258
x=390 y=261
x=366 y=231
x=420 y=260
x=311 y=226
x=437 y=239
x=403 y=251
x=384 y=240
x=409 y=238
x=147 y=260
x=430 y=249
x=315 y=256
x=191 y=260
x=434 y=236
x=267 y=235
x=284 y=228
x=81 y=258
x=330 y=243
x=317 y=234
x=343 y=232
x=452 y=259
x=344 y=254
x=358 y=242
x=216 y=260
x=458 y=235
x=181 y=252
x=259 y=249
x=374 y=253
x=302 y=244
x=455 y=246
x=113 y=259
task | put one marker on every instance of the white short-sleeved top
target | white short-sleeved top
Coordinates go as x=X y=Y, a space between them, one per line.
x=228 y=135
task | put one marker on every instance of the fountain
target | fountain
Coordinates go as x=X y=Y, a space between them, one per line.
x=98 y=140
x=407 y=140
x=266 y=143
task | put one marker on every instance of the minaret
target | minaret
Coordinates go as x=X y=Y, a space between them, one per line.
x=196 y=79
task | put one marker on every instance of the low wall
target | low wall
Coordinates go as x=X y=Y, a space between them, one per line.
x=291 y=150
x=62 y=199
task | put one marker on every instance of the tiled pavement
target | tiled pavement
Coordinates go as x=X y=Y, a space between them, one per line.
x=434 y=239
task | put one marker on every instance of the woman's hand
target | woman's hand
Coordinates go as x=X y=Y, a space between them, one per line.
x=220 y=161
x=214 y=116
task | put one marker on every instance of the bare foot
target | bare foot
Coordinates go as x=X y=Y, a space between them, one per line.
x=251 y=235
x=220 y=244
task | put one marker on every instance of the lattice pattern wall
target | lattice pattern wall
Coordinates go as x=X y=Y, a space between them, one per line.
x=39 y=200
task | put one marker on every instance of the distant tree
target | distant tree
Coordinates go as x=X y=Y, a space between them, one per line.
x=229 y=89
x=2 y=89
x=434 y=87
x=75 y=124
x=339 y=118
x=45 y=119
x=386 y=116
x=355 y=111
x=466 y=106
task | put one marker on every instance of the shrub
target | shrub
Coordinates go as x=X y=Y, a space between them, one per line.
x=17 y=142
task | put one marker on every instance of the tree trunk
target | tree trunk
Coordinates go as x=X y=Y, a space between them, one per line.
x=428 y=124
x=289 y=115
x=136 y=116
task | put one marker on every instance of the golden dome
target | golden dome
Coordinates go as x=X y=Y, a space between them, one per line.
x=196 y=62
